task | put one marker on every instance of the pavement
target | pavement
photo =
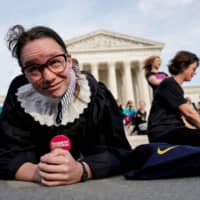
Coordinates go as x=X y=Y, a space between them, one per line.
x=137 y=140
x=115 y=188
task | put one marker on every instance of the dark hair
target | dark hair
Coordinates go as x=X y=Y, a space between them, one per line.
x=17 y=37
x=181 y=61
x=148 y=63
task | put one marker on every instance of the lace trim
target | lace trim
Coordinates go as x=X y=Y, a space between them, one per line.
x=44 y=109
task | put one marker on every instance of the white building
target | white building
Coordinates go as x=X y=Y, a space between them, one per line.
x=117 y=60
x=193 y=92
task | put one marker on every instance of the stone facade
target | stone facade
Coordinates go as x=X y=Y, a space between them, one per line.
x=117 y=60
x=193 y=92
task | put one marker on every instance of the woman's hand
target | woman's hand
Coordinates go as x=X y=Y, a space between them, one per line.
x=28 y=172
x=59 y=168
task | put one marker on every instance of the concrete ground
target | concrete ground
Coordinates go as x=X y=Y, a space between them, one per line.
x=116 y=188
x=136 y=140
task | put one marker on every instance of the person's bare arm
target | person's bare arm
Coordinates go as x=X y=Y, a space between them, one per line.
x=190 y=114
x=153 y=80
x=187 y=124
x=28 y=172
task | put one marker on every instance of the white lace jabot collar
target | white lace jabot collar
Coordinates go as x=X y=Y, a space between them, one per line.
x=44 y=109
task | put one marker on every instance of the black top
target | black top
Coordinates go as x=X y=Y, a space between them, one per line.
x=97 y=135
x=140 y=117
x=164 y=115
x=158 y=75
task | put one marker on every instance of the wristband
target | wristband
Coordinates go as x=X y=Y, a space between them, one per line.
x=84 y=176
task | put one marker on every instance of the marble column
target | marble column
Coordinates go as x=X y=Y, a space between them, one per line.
x=135 y=87
x=112 y=80
x=139 y=88
x=127 y=82
x=94 y=70
x=143 y=87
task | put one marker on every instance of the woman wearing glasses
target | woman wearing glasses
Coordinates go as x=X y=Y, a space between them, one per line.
x=50 y=99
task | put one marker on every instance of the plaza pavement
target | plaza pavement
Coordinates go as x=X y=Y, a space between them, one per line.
x=136 y=140
x=114 y=188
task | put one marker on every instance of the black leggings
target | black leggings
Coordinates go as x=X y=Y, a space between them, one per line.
x=183 y=136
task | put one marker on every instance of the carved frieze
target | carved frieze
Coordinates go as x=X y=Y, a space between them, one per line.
x=105 y=42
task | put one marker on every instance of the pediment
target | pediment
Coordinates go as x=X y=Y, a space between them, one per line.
x=105 y=40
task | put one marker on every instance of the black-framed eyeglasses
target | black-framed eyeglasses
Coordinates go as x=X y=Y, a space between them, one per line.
x=55 y=64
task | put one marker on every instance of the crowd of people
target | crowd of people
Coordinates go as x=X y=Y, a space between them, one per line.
x=134 y=119
x=171 y=112
x=52 y=97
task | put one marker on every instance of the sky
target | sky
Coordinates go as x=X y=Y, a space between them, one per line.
x=173 y=22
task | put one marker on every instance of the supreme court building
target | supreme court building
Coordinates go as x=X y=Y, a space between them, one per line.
x=117 y=60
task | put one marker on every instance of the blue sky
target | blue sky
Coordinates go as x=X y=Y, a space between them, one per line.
x=173 y=22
